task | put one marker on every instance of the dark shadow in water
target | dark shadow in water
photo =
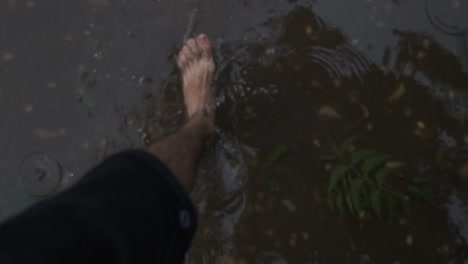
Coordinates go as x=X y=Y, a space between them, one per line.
x=273 y=92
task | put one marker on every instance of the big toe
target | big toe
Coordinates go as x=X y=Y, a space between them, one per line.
x=204 y=43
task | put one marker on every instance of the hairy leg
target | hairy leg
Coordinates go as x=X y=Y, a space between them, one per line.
x=181 y=151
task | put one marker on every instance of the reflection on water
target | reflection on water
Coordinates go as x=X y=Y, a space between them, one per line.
x=292 y=76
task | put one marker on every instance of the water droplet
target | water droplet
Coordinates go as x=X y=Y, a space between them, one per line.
x=39 y=175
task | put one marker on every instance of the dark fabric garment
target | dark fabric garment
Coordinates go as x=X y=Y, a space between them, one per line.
x=129 y=209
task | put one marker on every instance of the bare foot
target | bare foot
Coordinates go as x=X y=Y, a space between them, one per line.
x=196 y=64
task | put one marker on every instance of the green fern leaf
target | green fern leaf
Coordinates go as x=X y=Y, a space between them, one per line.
x=381 y=175
x=349 y=203
x=336 y=175
x=355 y=186
x=361 y=155
x=374 y=162
x=341 y=149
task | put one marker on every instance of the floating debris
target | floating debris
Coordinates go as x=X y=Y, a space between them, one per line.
x=394 y=164
x=274 y=155
x=292 y=242
x=50 y=133
x=86 y=145
x=30 y=4
x=421 y=125
x=398 y=93
x=29 y=108
x=309 y=30
x=409 y=240
x=336 y=82
x=328 y=111
x=408 y=112
x=52 y=85
x=8 y=56
x=421 y=55
x=289 y=205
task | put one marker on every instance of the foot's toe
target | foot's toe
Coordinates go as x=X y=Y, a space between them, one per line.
x=204 y=43
x=181 y=60
x=193 y=47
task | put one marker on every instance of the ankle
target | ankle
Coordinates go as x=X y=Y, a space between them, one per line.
x=201 y=123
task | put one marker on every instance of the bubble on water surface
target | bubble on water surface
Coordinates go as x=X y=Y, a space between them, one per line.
x=39 y=175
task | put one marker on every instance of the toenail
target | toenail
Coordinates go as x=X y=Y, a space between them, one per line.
x=202 y=37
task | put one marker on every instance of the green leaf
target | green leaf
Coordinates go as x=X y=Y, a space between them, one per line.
x=375 y=202
x=381 y=175
x=336 y=175
x=355 y=186
x=349 y=203
x=374 y=162
x=339 y=202
x=346 y=144
x=274 y=155
x=420 y=193
x=391 y=206
x=361 y=155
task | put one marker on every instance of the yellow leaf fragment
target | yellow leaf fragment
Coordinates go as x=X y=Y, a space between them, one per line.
x=50 y=133
x=293 y=242
x=398 y=93
x=409 y=240
x=394 y=164
x=336 y=82
x=289 y=205
x=421 y=55
x=328 y=111
x=421 y=125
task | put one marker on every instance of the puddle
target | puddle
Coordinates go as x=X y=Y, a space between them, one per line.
x=80 y=80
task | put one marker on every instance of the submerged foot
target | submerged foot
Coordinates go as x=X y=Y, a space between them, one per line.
x=196 y=64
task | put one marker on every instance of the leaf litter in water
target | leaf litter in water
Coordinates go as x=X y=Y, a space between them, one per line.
x=50 y=133
x=289 y=205
x=330 y=112
x=394 y=164
x=274 y=155
x=397 y=94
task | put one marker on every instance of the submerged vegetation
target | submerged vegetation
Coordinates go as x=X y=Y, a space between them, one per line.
x=367 y=180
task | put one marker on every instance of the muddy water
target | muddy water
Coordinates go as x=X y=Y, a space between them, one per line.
x=80 y=80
